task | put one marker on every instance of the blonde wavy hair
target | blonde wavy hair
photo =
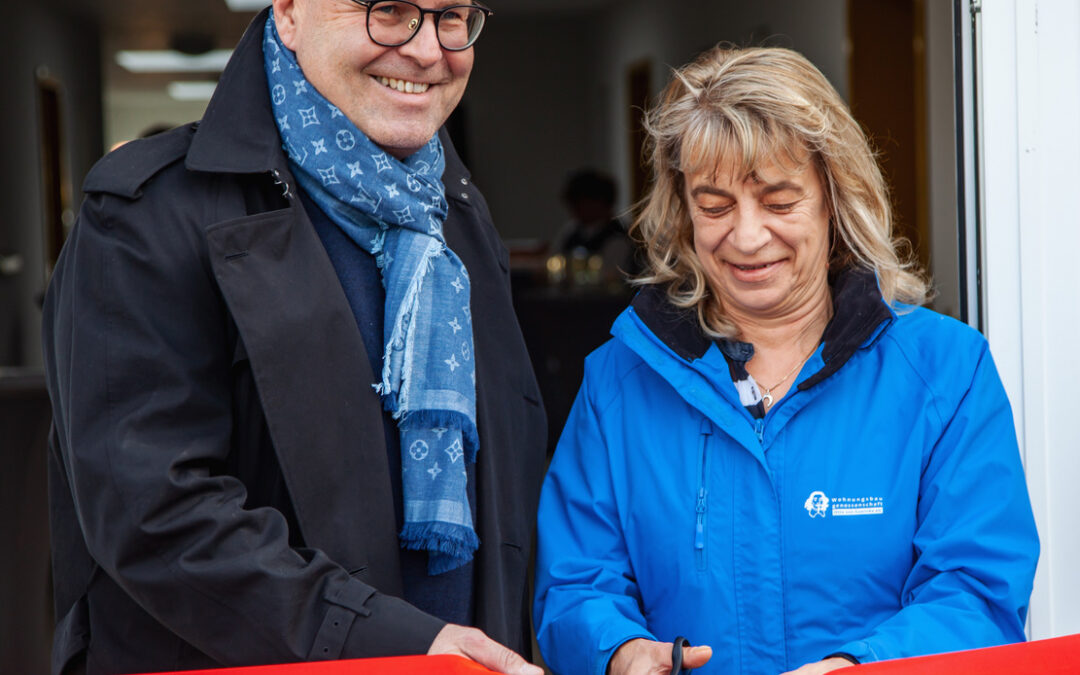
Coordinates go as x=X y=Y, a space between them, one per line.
x=753 y=107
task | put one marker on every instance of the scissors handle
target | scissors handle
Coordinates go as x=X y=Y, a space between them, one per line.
x=676 y=656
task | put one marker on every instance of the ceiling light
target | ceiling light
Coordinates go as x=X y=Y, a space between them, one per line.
x=191 y=91
x=172 y=61
x=246 y=5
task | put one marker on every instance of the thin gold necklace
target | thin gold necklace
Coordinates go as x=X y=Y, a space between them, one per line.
x=766 y=395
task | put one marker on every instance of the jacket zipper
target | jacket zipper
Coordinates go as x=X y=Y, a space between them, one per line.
x=701 y=507
x=759 y=430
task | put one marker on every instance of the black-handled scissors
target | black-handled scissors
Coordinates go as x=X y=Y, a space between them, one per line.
x=676 y=656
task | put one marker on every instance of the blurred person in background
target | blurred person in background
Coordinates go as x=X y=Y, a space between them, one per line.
x=594 y=233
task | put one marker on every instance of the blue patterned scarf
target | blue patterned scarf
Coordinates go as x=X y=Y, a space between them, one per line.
x=395 y=209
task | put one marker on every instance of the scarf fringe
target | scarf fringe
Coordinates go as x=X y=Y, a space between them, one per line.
x=396 y=394
x=449 y=546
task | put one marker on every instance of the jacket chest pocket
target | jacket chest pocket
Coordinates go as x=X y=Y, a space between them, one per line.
x=721 y=471
x=701 y=504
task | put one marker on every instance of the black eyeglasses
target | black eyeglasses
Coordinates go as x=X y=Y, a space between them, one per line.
x=392 y=23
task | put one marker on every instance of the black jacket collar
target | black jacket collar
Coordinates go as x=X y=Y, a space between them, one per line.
x=238 y=133
x=676 y=327
x=858 y=312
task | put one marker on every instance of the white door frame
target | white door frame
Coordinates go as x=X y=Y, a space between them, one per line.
x=1029 y=142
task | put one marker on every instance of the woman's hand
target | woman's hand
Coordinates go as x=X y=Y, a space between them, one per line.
x=646 y=657
x=818 y=667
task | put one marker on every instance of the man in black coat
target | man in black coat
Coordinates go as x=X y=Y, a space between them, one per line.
x=226 y=486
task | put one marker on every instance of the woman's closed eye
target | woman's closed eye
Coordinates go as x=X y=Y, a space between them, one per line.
x=781 y=208
x=715 y=210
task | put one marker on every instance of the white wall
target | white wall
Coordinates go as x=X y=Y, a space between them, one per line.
x=1031 y=144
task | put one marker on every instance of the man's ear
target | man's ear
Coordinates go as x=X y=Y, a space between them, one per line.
x=285 y=20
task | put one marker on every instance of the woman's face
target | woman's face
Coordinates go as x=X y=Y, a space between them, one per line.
x=762 y=239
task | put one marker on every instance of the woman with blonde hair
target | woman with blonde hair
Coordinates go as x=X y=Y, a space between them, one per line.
x=780 y=455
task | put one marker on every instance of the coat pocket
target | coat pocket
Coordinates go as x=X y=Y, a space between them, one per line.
x=701 y=507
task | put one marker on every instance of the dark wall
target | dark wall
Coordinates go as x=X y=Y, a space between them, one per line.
x=25 y=584
x=50 y=42
x=41 y=40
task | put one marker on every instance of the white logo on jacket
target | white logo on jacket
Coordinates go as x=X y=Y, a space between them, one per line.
x=817 y=504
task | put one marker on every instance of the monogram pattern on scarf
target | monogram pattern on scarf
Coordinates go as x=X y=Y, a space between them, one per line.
x=395 y=210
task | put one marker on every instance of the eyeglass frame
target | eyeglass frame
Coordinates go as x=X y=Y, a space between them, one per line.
x=367 y=5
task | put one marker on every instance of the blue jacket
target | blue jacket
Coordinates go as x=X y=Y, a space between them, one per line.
x=878 y=510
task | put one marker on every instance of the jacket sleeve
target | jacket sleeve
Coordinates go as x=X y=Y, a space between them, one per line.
x=975 y=544
x=138 y=363
x=587 y=602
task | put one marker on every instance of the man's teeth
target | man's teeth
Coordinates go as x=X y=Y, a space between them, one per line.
x=403 y=86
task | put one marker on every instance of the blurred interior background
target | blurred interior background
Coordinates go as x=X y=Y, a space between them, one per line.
x=558 y=86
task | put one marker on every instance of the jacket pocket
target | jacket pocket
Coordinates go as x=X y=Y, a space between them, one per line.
x=701 y=507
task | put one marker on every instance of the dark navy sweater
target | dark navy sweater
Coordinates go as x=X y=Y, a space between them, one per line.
x=448 y=596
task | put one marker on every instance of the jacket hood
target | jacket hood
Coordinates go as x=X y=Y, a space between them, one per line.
x=671 y=341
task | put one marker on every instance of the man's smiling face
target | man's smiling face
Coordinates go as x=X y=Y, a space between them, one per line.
x=398 y=96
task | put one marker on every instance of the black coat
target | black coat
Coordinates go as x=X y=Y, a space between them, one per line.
x=219 y=485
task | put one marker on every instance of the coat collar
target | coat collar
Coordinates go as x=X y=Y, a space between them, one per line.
x=233 y=135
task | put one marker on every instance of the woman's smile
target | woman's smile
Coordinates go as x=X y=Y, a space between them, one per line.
x=753 y=272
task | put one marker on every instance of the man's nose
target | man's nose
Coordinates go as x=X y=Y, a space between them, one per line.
x=750 y=232
x=424 y=47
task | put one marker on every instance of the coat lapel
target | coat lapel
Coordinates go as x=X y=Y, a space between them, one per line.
x=306 y=353
x=314 y=381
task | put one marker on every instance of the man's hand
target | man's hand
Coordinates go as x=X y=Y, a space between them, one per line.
x=818 y=667
x=473 y=644
x=646 y=657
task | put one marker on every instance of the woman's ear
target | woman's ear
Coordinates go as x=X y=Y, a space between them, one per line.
x=285 y=20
